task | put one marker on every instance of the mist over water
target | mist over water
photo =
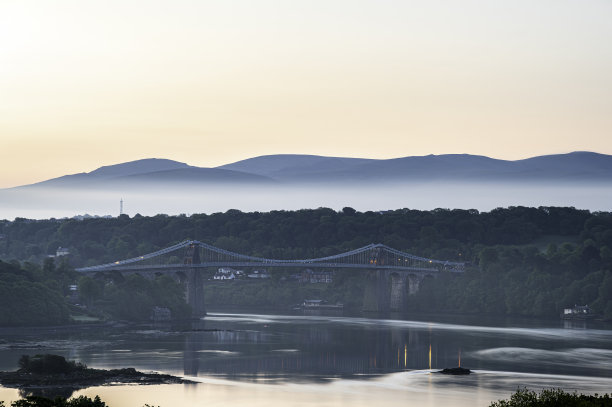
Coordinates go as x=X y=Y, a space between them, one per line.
x=173 y=199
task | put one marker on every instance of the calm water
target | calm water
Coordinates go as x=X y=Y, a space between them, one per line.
x=242 y=359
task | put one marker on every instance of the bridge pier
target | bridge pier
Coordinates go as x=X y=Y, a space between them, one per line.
x=195 y=293
x=414 y=281
x=387 y=290
x=397 y=298
x=374 y=299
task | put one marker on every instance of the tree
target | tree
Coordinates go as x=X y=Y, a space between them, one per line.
x=553 y=397
x=49 y=265
x=347 y=210
x=90 y=290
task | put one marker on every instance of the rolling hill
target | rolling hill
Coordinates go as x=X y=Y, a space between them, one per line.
x=583 y=167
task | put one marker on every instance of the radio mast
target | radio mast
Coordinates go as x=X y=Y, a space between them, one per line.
x=121 y=207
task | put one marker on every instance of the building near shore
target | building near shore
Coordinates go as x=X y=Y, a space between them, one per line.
x=259 y=274
x=313 y=277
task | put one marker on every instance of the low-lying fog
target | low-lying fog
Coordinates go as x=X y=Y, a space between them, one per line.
x=40 y=203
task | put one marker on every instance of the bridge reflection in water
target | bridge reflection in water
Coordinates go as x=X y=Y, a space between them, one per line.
x=312 y=352
x=390 y=271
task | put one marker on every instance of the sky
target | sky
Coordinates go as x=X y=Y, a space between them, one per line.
x=86 y=84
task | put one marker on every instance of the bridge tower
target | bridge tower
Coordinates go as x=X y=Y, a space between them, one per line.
x=195 y=282
x=376 y=295
x=388 y=290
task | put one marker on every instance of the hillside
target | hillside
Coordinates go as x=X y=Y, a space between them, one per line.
x=510 y=272
x=576 y=166
x=583 y=167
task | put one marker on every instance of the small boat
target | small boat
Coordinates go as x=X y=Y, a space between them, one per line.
x=578 y=312
x=318 y=304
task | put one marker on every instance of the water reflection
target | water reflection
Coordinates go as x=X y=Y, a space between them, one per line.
x=49 y=392
x=303 y=351
x=306 y=348
x=289 y=349
x=414 y=388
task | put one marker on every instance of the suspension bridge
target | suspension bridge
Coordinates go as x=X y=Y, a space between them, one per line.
x=389 y=270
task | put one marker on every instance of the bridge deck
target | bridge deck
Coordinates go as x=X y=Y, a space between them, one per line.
x=263 y=265
x=373 y=256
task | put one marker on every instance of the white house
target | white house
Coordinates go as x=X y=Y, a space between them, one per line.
x=577 y=310
x=62 y=251
x=224 y=276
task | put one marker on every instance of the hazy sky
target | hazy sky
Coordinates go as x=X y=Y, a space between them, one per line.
x=85 y=84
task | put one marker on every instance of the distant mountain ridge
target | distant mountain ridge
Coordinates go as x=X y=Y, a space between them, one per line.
x=147 y=171
x=295 y=169
x=138 y=167
x=576 y=166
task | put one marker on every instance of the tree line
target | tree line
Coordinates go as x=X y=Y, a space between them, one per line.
x=522 y=261
x=440 y=233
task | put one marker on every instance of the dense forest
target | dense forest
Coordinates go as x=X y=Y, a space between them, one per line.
x=522 y=261
x=35 y=295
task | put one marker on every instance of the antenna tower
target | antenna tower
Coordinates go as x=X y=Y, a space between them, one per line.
x=121 y=207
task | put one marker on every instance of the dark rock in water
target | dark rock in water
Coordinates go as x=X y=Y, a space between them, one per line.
x=53 y=371
x=455 y=371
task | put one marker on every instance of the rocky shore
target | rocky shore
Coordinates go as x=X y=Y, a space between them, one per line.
x=46 y=371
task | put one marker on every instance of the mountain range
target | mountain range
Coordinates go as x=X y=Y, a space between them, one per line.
x=582 y=167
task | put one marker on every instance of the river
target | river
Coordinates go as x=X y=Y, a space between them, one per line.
x=255 y=359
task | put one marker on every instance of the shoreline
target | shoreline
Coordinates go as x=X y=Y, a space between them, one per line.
x=49 y=372
x=466 y=319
